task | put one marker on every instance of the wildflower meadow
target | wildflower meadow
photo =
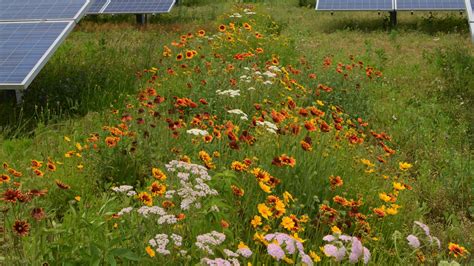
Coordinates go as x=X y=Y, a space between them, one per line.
x=233 y=148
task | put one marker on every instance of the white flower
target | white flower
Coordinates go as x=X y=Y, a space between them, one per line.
x=267 y=82
x=124 y=211
x=197 y=132
x=269 y=74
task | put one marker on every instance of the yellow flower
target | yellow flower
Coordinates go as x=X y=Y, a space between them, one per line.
x=77 y=198
x=398 y=186
x=242 y=245
x=297 y=238
x=314 y=256
x=287 y=197
x=320 y=103
x=264 y=187
x=287 y=223
x=383 y=196
x=391 y=211
x=78 y=146
x=288 y=260
x=336 y=230
x=256 y=221
x=264 y=210
x=366 y=162
x=158 y=174
x=404 y=166
x=67 y=139
x=150 y=251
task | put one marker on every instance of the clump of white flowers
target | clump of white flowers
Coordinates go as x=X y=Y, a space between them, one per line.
x=230 y=93
x=270 y=127
x=207 y=241
x=243 y=115
x=192 y=184
x=197 y=132
x=161 y=241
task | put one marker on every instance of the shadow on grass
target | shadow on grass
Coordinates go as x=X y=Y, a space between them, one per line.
x=419 y=22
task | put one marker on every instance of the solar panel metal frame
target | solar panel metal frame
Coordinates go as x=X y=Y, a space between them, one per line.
x=104 y=5
x=470 y=16
x=356 y=9
x=78 y=16
x=427 y=8
x=109 y=2
x=44 y=58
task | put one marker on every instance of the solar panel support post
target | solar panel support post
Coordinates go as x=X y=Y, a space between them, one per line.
x=393 y=18
x=141 y=19
x=19 y=96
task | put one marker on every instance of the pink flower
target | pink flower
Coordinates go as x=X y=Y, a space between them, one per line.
x=356 y=250
x=275 y=251
x=413 y=241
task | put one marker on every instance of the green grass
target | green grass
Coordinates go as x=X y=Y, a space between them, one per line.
x=424 y=101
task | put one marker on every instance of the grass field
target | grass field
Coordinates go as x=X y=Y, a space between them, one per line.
x=388 y=110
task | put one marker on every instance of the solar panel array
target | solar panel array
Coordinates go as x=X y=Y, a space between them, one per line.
x=131 y=6
x=15 y=10
x=25 y=45
x=430 y=4
x=30 y=32
x=347 y=5
x=354 y=5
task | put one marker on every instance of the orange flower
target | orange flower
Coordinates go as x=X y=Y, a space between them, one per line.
x=179 y=57
x=222 y=28
x=146 y=198
x=238 y=166
x=259 y=50
x=38 y=172
x=158 y=174
x=247 y=26
x=189 y=54
x=335 y=181
x=36 y=164
x=157 y=189
x=201 y=33
x=4 y=178
x=237 y=191
x=457 y=250
x=62 y=185
x=51 y=166
x=111 y=141
x=224 y=224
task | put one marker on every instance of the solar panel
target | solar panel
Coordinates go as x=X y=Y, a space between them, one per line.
x=430 y=4
x=25 y=47
x=96 y=6
x=354 y=5
x=139 y=6
x=14 y=10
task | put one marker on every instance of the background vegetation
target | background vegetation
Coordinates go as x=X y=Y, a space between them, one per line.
x=425 y=100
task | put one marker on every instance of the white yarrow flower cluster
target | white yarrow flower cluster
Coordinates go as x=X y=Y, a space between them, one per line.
x=270 y=127
x=230 y=93
x=207 y=241
x=243 y=115
x=235 y=15
x=125 y=211
x=122 y=189
x=161 y=241
x=220 y=262
x=164 y=217
x=193 y=185
x=197 y=132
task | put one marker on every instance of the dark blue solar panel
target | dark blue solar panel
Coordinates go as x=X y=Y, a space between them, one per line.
x=41 y=9
x=25 y=47
x=431 y=4
x=354 y=5
x=139 y=6
x=96 y=6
